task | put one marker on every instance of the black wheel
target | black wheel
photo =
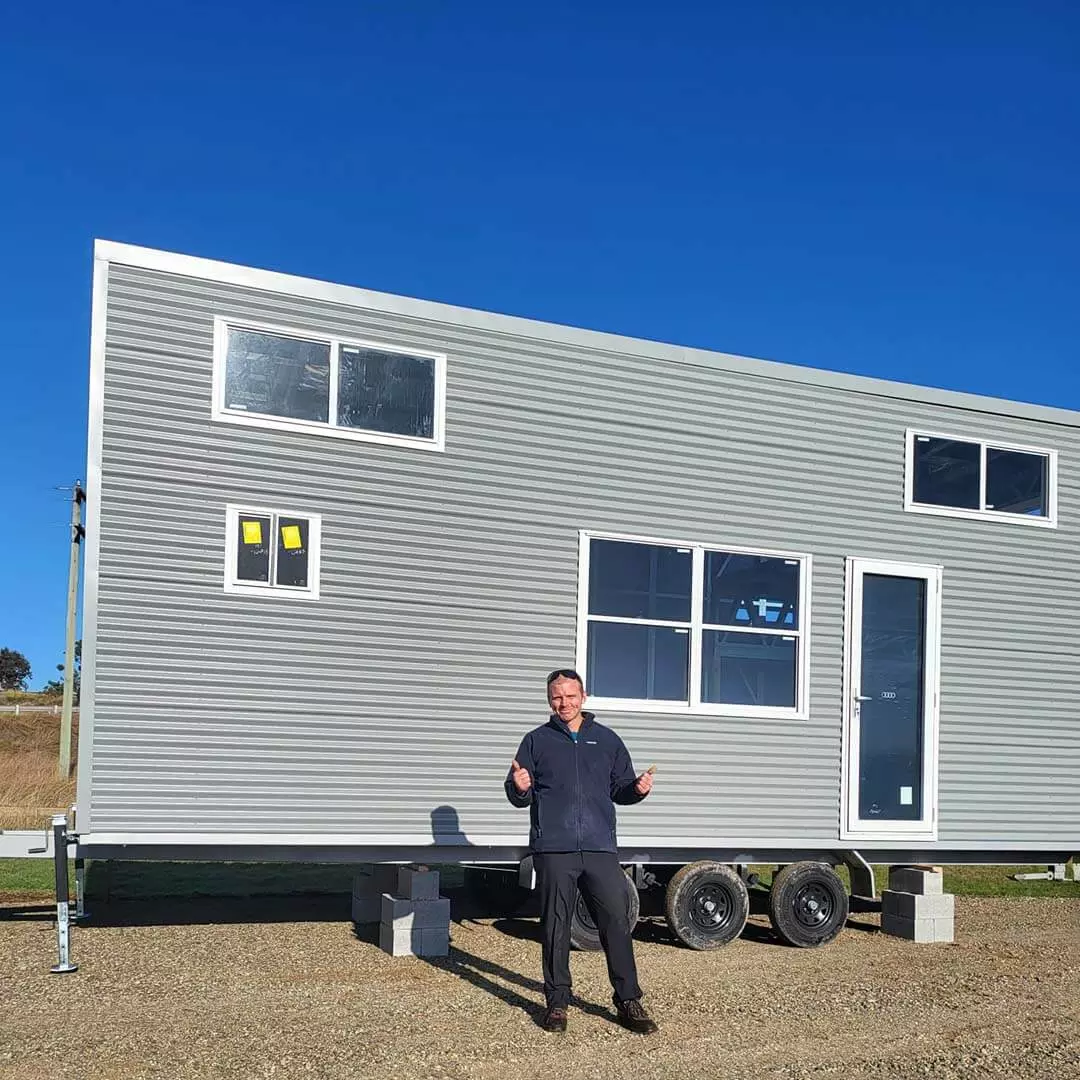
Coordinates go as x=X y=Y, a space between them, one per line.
x=808 y=904
x=583 y=932
x=706 y=905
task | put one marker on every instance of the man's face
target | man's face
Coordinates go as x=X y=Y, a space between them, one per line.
x=566 y=697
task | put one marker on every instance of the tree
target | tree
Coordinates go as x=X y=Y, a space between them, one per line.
x=56 y=686
x=14 y=670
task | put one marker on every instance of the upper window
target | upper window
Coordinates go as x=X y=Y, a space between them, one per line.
x=980 y=479
x=272 y=553
x=350 y=389
x=684 y=628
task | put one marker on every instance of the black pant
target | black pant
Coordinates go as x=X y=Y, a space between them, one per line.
x=598 y=875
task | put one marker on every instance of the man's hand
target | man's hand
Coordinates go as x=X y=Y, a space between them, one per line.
x=522 y=779
x=645 y=781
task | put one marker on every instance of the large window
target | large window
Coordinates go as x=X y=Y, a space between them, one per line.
x=272 y=553
x=276 y=378
x=672 y=627
x=980 y=479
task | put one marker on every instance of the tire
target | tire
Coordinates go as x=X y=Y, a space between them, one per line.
x=706 y=905
x=808 y=904
x=583 y=932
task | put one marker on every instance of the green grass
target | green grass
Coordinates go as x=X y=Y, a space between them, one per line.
x=30 y=876
x=144 y=880
x=974 y=881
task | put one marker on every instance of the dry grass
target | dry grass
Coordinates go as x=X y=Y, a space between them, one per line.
x=30 y=789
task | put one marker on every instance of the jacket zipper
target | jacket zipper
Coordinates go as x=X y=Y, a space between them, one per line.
x=577 y=788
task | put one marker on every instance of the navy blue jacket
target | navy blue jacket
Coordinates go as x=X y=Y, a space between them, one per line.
x=574 y=785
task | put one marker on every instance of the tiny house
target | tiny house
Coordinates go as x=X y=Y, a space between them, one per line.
x=337 y=538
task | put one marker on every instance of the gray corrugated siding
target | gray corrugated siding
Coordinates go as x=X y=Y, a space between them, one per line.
x=449 y=588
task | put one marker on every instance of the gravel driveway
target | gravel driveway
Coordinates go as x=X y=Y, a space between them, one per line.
x=236 y=989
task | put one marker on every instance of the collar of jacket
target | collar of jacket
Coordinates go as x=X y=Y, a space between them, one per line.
x=558 y=724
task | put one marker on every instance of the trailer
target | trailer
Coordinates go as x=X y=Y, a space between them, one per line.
x=337 y=538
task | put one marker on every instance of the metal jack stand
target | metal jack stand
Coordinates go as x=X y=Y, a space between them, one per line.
x=61 y=839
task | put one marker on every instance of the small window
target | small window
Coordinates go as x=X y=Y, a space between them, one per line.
x=272 y=553
x=681 y=627
x=980 y=479
x=356 y=390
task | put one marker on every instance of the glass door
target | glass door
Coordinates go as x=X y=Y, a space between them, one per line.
x=891 y=691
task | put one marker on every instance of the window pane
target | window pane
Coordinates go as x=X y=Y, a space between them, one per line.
x=893 y=684
x=646 y=663
x=639 y=581
x=292 y=552
x=253 y=540
x=1016 y=483
x=278 y=376
x=748 y=669
x=386 y=391
x=751 y=590
x=947 y=472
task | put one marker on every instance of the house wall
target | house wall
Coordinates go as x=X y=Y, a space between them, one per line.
x=391 y=706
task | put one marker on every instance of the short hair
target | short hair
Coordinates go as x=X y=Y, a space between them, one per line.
x=565 y=673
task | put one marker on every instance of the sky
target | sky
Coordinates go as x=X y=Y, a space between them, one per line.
x=888 y=190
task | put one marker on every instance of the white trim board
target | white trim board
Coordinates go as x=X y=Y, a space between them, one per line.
x=627 y=844
x=92 y=543
x=447 y=314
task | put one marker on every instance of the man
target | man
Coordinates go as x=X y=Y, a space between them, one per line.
x=570 y=772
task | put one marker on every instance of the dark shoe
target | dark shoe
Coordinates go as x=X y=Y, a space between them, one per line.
x=632 y=1015
x=554 y=1019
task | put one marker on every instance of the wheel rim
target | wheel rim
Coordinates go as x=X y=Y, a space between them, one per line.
x=583 y=915
x=814 y=905
x=711 y=908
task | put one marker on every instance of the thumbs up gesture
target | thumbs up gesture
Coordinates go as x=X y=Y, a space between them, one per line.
x=645 y=781
x=522 y=779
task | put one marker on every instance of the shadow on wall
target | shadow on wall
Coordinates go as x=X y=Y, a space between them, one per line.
x=446 y=827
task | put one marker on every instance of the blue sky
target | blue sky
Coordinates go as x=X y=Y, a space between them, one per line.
x=881 y=189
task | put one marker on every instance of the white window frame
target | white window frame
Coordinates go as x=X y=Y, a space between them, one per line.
x=913 y=507
x=852 y=827
x=331 y=428
x=696 y=626
x=233 y=513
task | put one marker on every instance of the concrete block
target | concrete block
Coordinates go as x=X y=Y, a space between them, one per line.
x=416 y=884
x=366 y=909
x=911 y=880
x=925 y=930
x=415 y=914
x=406 y=942
x=375 y=879
x=918 y=906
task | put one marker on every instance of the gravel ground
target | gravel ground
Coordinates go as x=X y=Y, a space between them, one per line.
x=236 y=989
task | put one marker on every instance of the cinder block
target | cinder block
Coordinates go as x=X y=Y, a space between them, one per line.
x=366 y=909
x=415 y=914
x=415 y=884
x=921 y=882
x=918 y=906
x=923 y=930
x=375 y=879
x=434 y=942
x=406 y=942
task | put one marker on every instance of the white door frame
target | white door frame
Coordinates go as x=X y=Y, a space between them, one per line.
x=851 y=826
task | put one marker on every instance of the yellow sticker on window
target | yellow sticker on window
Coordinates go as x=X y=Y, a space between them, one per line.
x=290 y=537
x=252 y=532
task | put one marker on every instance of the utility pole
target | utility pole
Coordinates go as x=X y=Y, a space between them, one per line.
x=78 y=497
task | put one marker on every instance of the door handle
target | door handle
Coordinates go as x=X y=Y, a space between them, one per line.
x=863 y=697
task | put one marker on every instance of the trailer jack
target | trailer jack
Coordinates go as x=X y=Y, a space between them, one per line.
x=61 y=839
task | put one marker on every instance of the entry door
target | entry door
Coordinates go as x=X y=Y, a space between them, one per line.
x=891 y=709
